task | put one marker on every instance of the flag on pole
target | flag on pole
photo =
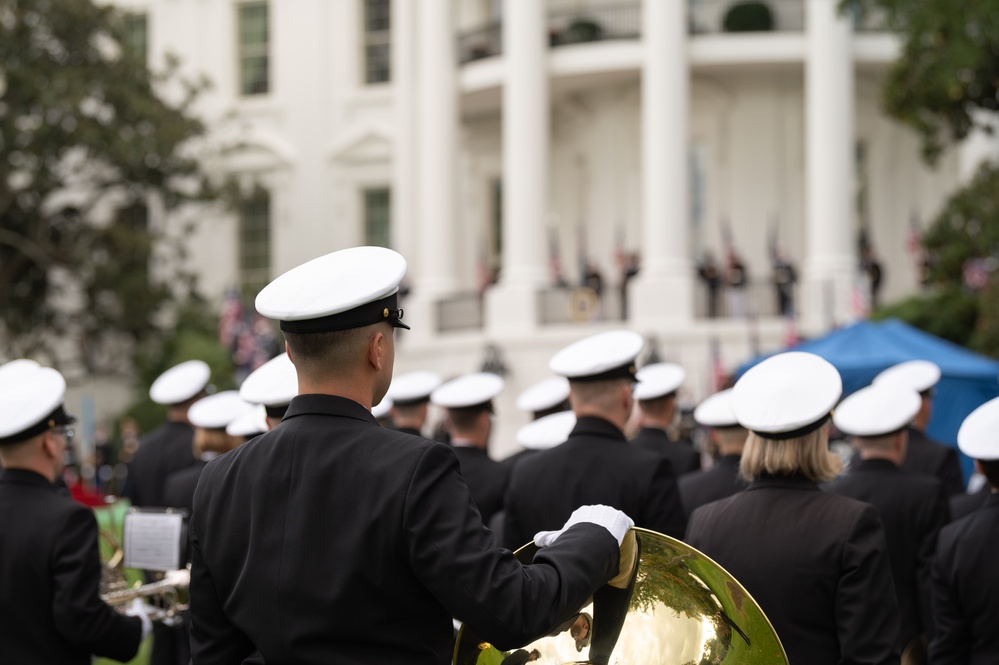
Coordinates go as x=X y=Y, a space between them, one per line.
x=860 y=303
x=718 y=375
x=791 y=337
x=914 y=239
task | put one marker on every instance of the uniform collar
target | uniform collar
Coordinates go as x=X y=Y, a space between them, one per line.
x=593 y=426
x=876 y=464
x=24 y=477
x=328 y=405
x=795 y=482
x=991 y=501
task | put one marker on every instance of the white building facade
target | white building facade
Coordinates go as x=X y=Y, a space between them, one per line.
x=519 y=140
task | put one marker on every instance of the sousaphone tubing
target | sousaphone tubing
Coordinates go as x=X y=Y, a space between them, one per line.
x=674 y=606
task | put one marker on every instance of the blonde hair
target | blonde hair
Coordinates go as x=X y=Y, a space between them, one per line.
x=807 y=455
x=214 y=441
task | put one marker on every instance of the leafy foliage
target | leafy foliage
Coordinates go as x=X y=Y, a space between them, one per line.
x=86 y=142
x=948 y=71
x=944 y=85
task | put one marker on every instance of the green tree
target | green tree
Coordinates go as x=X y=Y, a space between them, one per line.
x=87 y=141
x=945 y=85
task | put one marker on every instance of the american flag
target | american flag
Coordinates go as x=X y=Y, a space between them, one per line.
x=791 y=337
x=718 y=375
x=860 y=303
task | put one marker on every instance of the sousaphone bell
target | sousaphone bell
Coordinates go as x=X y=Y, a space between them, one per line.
x=670 y=605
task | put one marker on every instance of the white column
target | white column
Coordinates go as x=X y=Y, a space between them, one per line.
x=662 y=291
x=511 y=304
x=404 y=219
x=979 y=147
x=437 y=145
x=830 y=265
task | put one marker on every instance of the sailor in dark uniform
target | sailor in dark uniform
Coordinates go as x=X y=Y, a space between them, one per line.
x=912 y=506
x=211 y=417
x=816 y=562
x=542 y=434
x=273 y=385
x=656 y=396
x=469 y=404
x=169 y=447
x=50 y=568
x=723 y=478
x=410 y=394
x=541 y=399
x=965 y=574
x=595 y=464
x=924 y=455
x=962 y=505
x=329 y=539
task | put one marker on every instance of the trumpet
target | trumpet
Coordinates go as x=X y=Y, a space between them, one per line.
x=167 y=597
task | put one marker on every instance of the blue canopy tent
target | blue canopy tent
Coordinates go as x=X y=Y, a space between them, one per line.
x=864 y=349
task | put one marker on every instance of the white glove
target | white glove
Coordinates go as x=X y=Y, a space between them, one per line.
x=137 y=608
x=179 y=579
x=609 y=518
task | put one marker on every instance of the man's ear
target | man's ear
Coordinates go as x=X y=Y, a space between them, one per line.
x=287 y=349
x=376 y=350
x=50 y=446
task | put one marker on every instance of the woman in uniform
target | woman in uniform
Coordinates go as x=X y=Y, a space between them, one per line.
x=816 y=562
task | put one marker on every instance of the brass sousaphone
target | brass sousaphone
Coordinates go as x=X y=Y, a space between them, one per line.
x=673 y=606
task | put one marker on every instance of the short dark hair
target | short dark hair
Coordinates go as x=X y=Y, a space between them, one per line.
x=327 y=351
x=990 y=469
x=463 y=419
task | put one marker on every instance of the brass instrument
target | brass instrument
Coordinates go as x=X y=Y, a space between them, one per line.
x=670 y=604
x=167 y=598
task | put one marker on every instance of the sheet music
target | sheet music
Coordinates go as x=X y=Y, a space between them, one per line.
x=152 y=540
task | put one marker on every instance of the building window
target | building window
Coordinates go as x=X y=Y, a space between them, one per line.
x=377 y=216
x=255 y=241
x=377 y=41
x=137 y=36
x=254 y=64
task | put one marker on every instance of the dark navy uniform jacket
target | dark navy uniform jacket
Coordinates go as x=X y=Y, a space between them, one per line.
x=681 y=455
x=166 y=449
x=332 y=540
x=934 y=459
x=816 y=562
x=595 y=465
x=913 y=509
x=966 y=589
x=718 y=482
x=50 y=573
x=486 y=479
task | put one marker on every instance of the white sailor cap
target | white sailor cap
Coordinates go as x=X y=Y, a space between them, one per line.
x=34 y=405
x=218 y=410
x=920 y=375
x=250 y=423
x=546 y=394
x=546 y=432
x=787 y=395
x=471 y=391
x=658 y=380
x=608 y=355
x=180 y=383
x=877 y=410
x=716 y=411
x=11 y=372
x=978 y=437
x=273 y=384
x=383 y=407
x=414 y=387
x=347 y=289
